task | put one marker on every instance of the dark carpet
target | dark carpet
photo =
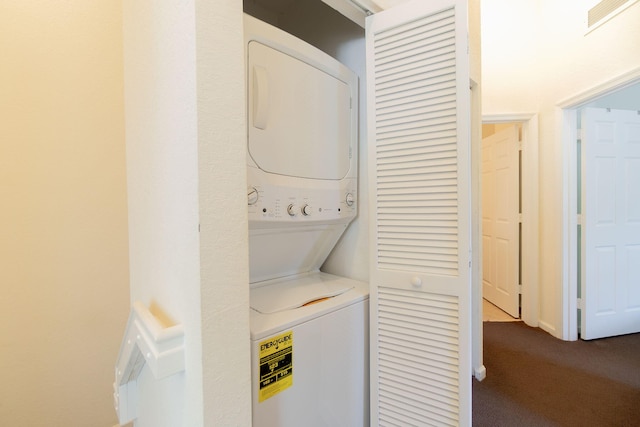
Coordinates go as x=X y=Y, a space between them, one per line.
x=534 y=379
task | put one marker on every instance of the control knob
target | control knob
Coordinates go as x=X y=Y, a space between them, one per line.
x=306 y=210
x=349 y=199
x=252 y=196
x=292 y=210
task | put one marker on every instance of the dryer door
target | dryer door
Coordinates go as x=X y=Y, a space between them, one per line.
x=300 y=118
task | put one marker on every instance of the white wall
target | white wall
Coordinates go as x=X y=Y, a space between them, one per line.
x=510 y=41
x=184 y=99
x=557 y=61
x=162 y=169
x=224 y=250
x=63 y=224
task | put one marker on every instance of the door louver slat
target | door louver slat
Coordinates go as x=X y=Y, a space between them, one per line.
x=392 y=161
x=418 y=356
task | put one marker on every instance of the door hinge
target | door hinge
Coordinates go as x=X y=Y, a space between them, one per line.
x=579 y=219
x=579 y=304
x=519 y=288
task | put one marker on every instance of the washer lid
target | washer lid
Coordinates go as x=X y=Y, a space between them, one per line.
x=296 y=292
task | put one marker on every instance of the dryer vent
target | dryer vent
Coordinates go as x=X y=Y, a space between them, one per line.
x=605 y=10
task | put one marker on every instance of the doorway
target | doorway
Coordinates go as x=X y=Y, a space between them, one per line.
x=527 y=207
x=619 y=94
x=501 y=209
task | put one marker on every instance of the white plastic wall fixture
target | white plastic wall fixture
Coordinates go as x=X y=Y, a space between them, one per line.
x=145 y=341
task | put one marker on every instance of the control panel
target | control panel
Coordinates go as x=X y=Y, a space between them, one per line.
x=278 y=203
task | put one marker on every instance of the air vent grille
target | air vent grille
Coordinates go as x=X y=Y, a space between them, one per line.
x=603 y=9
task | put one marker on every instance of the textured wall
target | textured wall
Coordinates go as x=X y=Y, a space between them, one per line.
x=162 y=169
x=224 y=247
x=186 y=146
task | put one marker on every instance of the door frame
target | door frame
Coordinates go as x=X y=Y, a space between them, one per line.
x=530 y=254
x=567 y=109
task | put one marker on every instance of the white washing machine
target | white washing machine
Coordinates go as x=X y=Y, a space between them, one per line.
x=309 y=329
x=309 y=352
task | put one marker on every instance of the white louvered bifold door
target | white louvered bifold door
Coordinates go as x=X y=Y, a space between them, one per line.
x=419 y=161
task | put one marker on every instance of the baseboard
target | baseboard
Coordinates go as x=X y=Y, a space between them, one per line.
x=547 y=328
x=480 y=373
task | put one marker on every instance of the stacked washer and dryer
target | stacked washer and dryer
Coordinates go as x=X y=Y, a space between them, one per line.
x=309 y=329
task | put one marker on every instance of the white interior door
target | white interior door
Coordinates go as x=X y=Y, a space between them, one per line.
x=418 y=125
x=610 y=222
x=501 y=220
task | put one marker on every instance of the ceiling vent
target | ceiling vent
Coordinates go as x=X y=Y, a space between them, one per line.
x=605 y=10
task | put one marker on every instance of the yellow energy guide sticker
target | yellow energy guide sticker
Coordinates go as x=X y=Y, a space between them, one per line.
x=276 y=365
